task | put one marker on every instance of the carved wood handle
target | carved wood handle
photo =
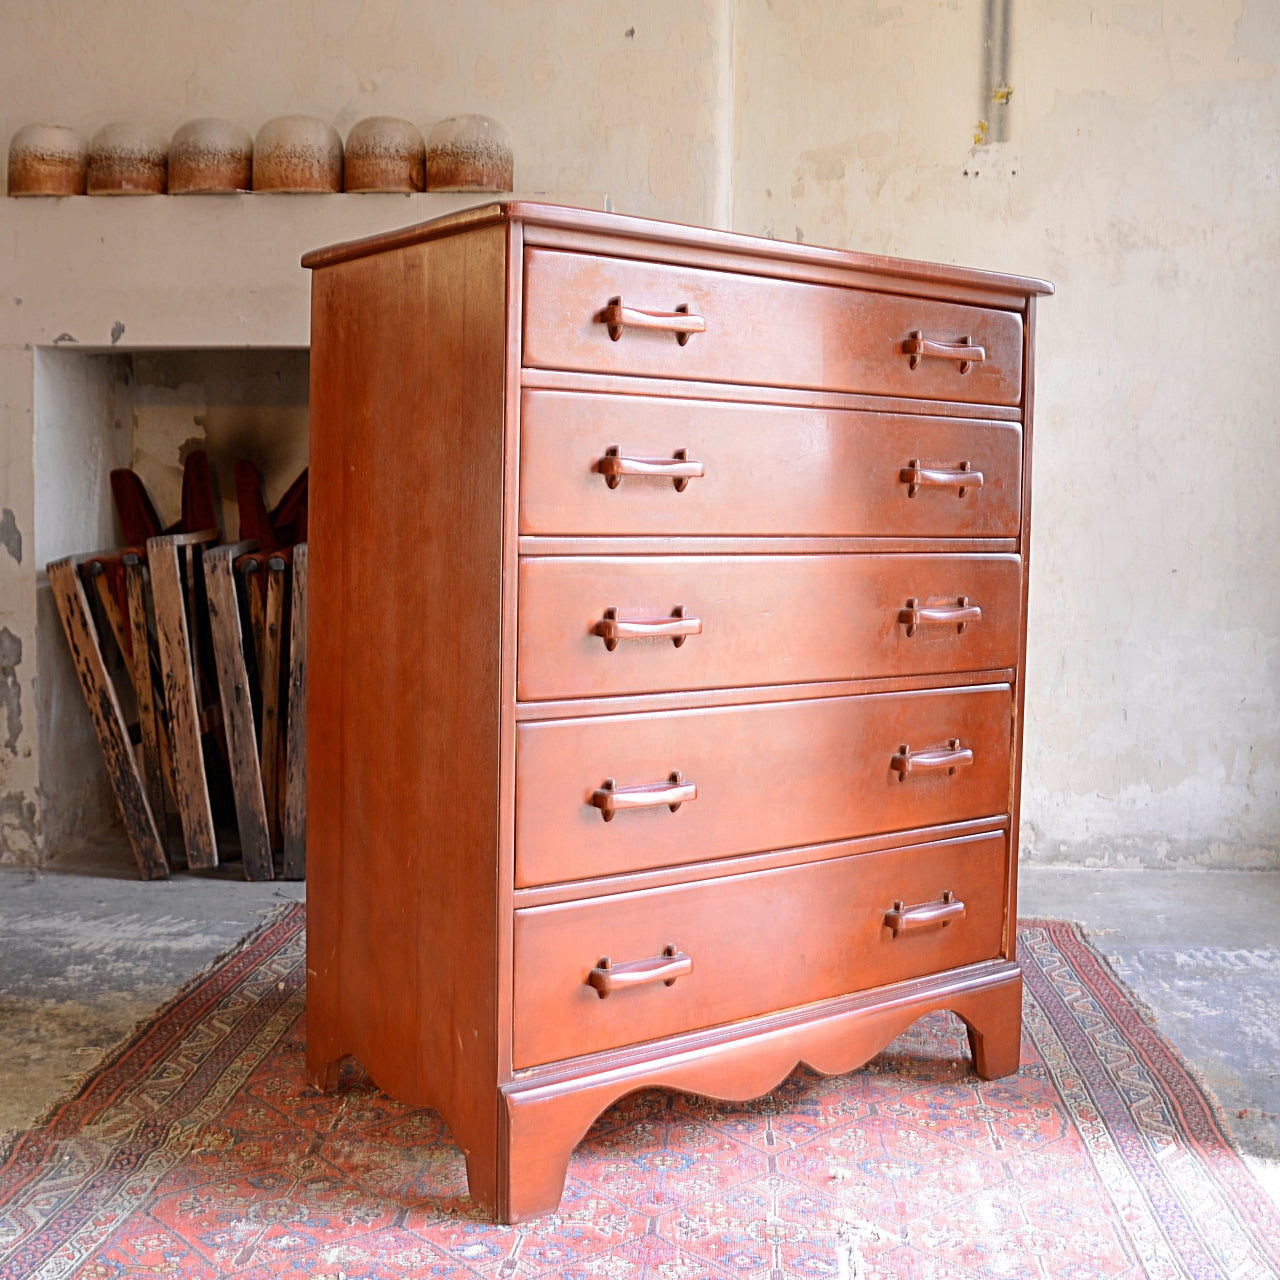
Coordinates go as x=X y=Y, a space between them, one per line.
x=918 y=347
x=928 y=915
x=673 y=793
x=951 y=757
x=961 y=478
x=666 y=968
x=959 y=615
x=680 y=467
x=678 y=627
x=682 y=322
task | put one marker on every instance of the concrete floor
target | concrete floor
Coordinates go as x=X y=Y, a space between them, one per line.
x=87 y=950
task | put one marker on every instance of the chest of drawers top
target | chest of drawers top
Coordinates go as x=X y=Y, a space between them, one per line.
x=742 y=310
x=766 y=314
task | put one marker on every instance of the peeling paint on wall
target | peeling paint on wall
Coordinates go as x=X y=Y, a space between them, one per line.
x=19 y=830
x=11 y=535
x=10 y=689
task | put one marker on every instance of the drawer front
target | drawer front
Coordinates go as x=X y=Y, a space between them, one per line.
x=768 y=776
x=760 y=942
x=765 y=470
x=768 y=332
x=759 y=620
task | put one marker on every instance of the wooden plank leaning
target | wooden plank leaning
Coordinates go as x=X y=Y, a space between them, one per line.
x=237 y=708
x=167 y=557
x=295 y=780
x=272 y=643
x=108 y=720
x=149 y=725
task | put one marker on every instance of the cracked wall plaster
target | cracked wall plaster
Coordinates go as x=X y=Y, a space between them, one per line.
x=10 y=688
x=11 y=535
x=19 y=830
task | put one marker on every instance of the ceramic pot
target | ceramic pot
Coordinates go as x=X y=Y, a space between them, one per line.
x=384 y=153
x=297 y=154
x=127 y=160
x=210 y=155
x=47 y=160
x=469 y=153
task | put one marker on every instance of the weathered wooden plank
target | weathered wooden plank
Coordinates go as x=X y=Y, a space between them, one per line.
x=144 y=688
x=295 y=775
x=95 y=572
x=271 y=642
x=237 y=709
x=252 y=567
x=174 y=640
x=108 y=721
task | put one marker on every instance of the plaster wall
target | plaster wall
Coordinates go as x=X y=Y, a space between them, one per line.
x=82 y=431
x=1141 y=174
x=132 y=331
x=1138 y=171
x=632 y=99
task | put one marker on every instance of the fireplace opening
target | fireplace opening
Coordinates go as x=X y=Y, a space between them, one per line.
x=96 y=410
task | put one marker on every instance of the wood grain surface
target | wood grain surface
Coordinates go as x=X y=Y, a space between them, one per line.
x=107 y=719
x=776 y=619
x=768 y=776
x=498 y=800
x=762 y=941
x=761 y=331
x=768 y=470
x=237 y=709
x=549 y=1109
x=295 y=774
x=173 y=563
x=402 y=716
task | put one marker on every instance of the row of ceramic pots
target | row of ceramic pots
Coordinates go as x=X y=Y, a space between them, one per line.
x=290 y=154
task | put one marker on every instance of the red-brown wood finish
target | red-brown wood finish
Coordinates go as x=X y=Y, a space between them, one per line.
x=766 y=470
x=755 y=620
x=763 y=331
x=690 y=656
x=548 y=1110
x=762 y=941
x=767 y=776
x=407 y=528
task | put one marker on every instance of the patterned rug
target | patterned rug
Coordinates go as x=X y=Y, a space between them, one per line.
x=199 y=1151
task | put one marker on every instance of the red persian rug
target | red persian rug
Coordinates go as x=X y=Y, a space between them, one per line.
x=199 y=1151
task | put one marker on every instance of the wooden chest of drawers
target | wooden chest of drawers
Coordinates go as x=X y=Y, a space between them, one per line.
x=667 y=635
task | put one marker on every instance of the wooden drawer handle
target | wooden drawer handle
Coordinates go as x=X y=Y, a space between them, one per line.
x=682 y=322
x=678 y=627
x=666 y=968
x=680 y=467
x=918 y=347
x=961 y=478
x=959 y=615
x=673 y=793
x=928 y=915
x=951 y=757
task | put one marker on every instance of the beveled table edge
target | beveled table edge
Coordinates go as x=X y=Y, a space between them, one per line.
x=652 y=229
